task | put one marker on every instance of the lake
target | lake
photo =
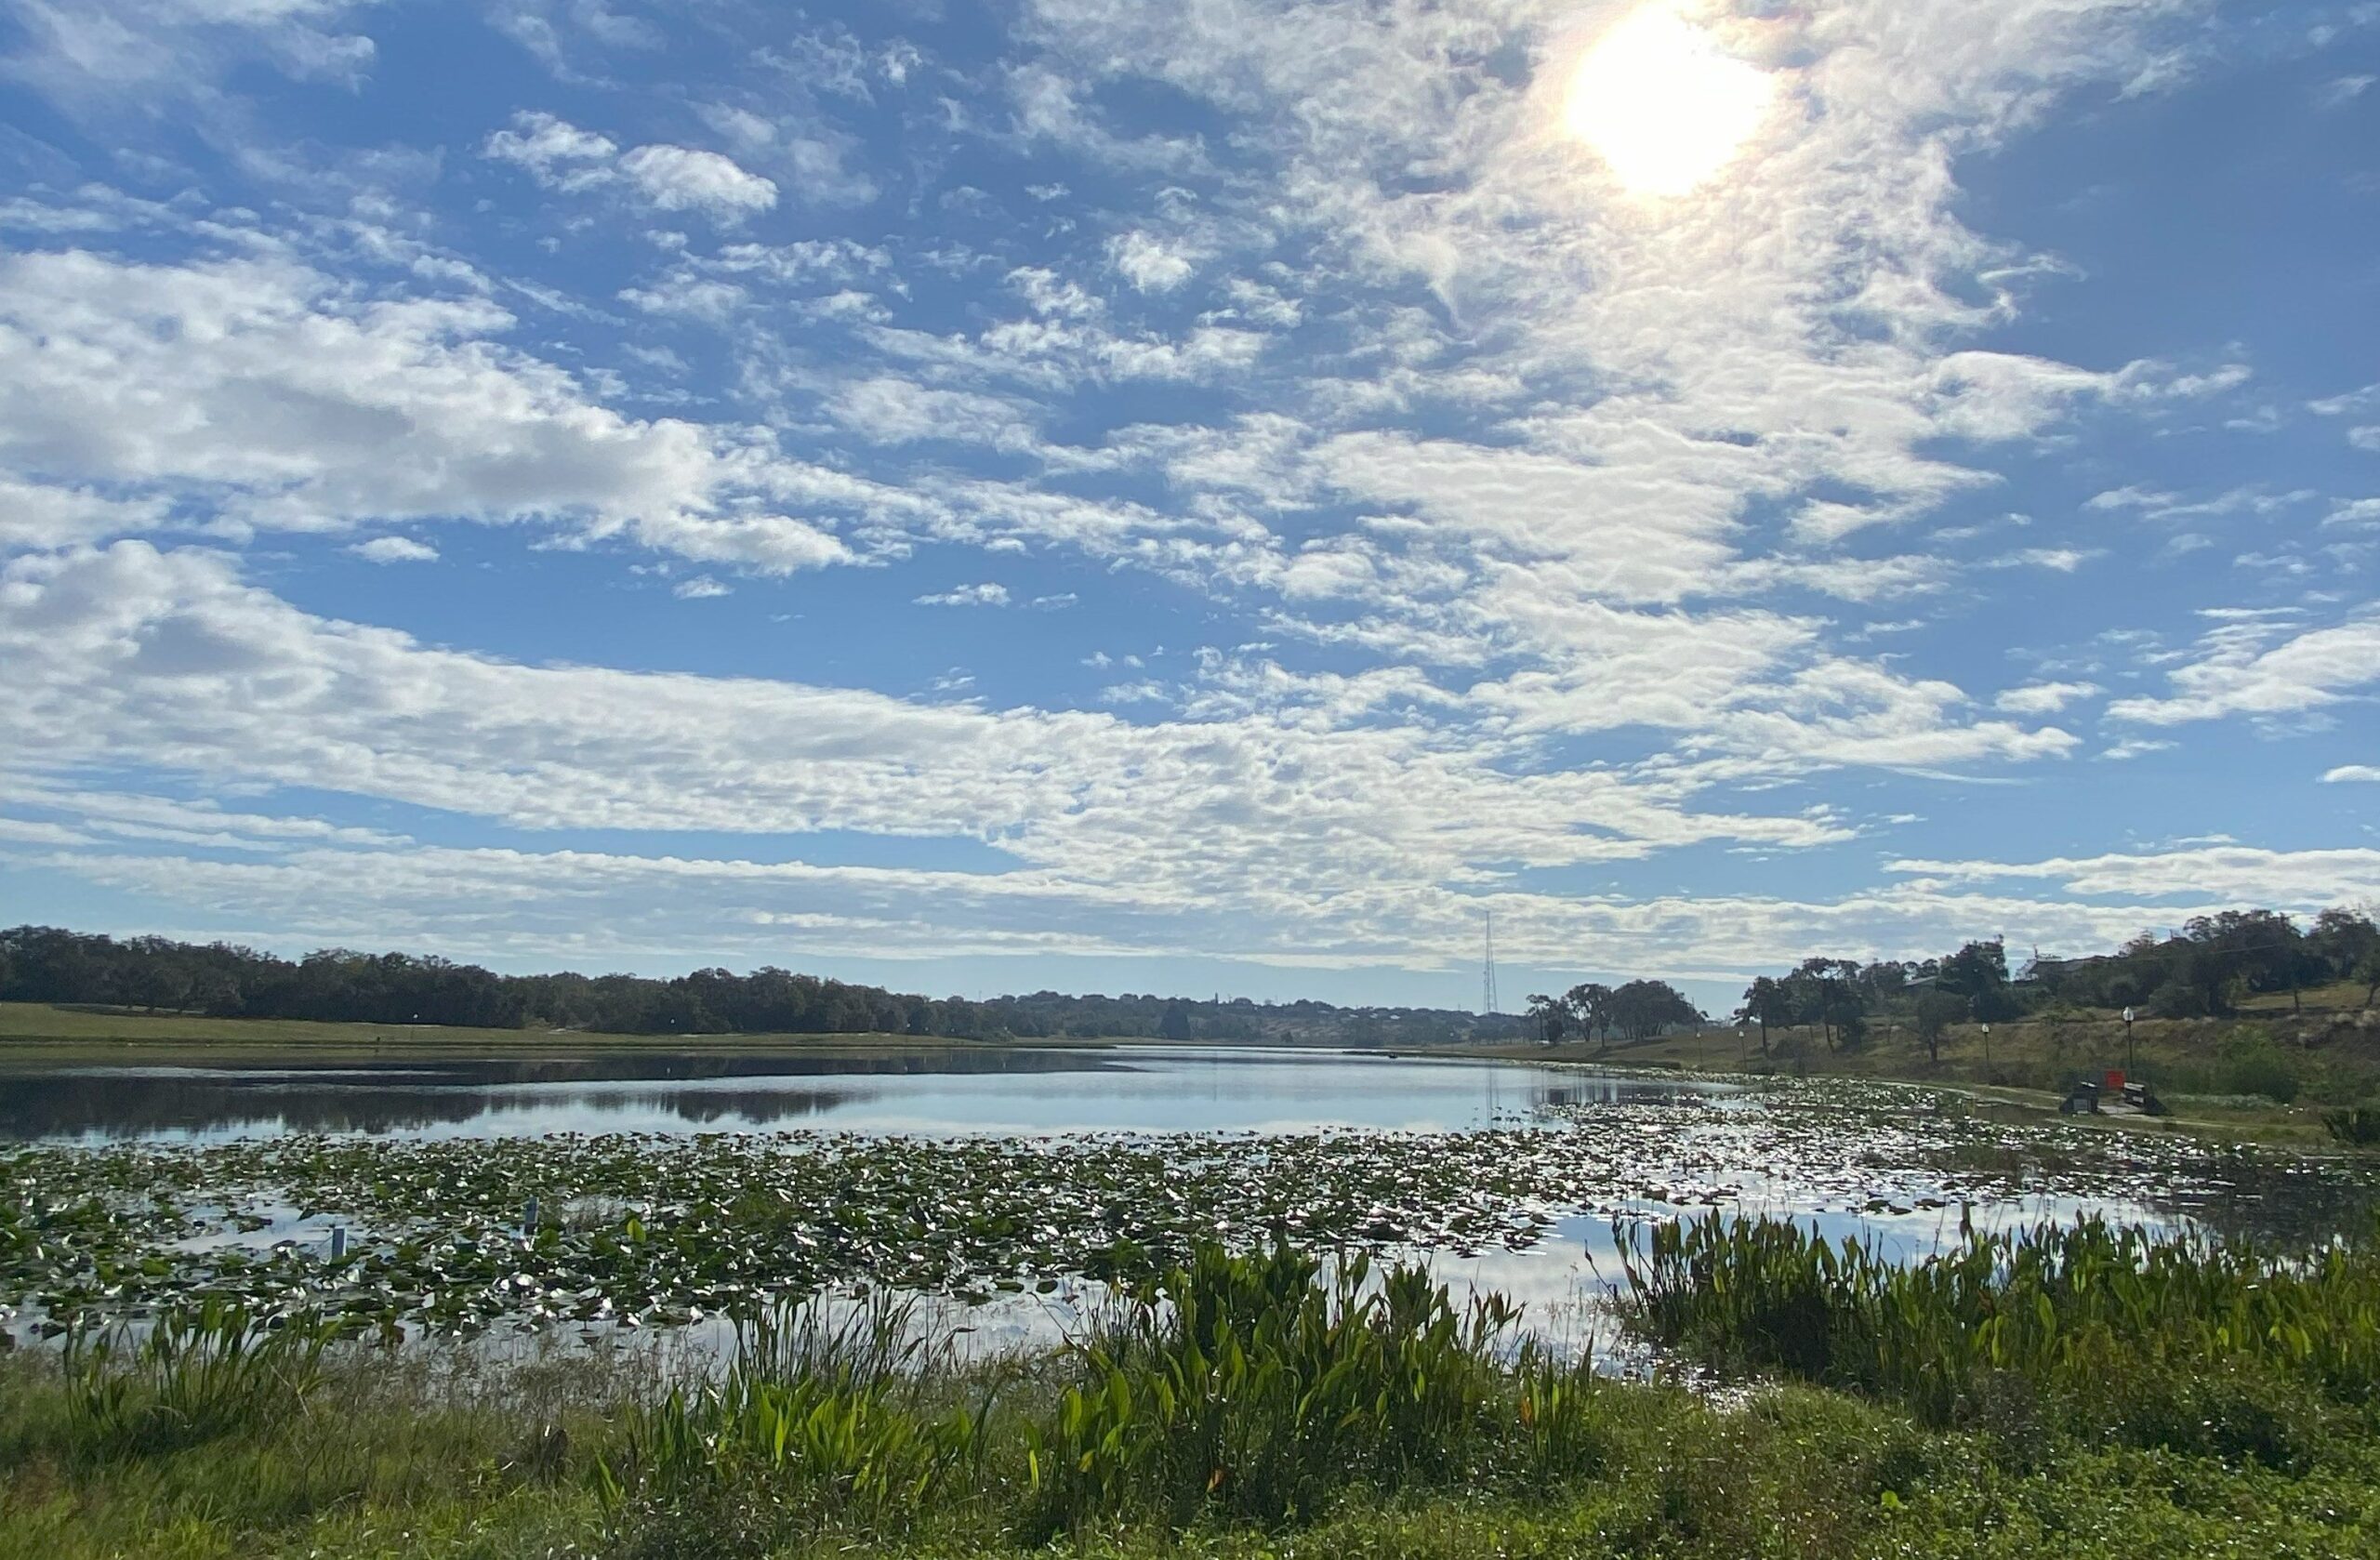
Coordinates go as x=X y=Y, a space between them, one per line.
x=929 y=1091
x=678 y=1187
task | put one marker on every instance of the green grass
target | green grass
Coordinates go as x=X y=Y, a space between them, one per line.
x=40 y=1031
x=1263 y=1405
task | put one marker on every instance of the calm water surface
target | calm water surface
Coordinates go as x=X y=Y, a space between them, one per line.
x=1140 y=1088
x=1671 y=1155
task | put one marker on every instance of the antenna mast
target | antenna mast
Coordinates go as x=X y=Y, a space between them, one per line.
x=1487 y=970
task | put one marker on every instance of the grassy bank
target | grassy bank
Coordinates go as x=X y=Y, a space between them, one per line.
x=1257 y=1406
x=38 y=1032
x=2271 y=1074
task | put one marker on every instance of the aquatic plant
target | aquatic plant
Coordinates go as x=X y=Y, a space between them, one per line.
x=1256 y=1387
x=645 y=1230
x=821 y=1417
x=2174 y=1341
x=193 y=1375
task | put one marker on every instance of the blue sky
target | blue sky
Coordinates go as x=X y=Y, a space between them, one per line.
x=1090 y=494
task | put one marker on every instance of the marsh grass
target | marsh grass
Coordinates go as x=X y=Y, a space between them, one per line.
x=827 y=1413
x=193 y=1375
x=1257 y=1388
x=102 y=1455
x=2174 y=1344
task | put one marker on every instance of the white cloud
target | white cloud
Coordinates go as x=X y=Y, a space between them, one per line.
x=2347 y=402
x=702 y=587
x=1307 y=833
x=562 y=156
x=38 y=515
x=138 y=56
x=2220 y=875
x=888 y=410
x=682 y=178
x=2044 y=698
x=1149 y=263
x=394 y=549
x=2236 y=674
x=555 y=152
x=261 y=390
x=813 y=161
x=985 y=595
x=2061 y=559
x=2347 y=774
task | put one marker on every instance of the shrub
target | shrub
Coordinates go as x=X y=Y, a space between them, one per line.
x=2357 y=1126
x=2259 y=1069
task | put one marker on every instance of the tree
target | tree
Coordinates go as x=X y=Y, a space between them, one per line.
x=1766 y=1003
x=1887 y=978
x=1589 y=1005
x=1549 y=1013
x=1936 y=1011
x=2243 y=950
x=1176 y=1025
x=2343 y=940
x=1979 y=971
x=1827 y=993
x=1643 y=1009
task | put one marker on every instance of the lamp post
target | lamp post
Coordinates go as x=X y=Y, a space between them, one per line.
x=1987 y=1053
x=2127 y=1043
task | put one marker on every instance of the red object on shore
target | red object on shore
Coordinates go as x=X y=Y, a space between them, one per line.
x=2115 y=1080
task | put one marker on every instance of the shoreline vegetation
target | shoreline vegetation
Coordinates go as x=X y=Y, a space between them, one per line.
x=2215 y=967
x=2082 y=1392
x=2273 y=1071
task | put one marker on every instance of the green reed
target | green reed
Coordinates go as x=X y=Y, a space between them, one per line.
x=197 y=1374
x=2171 y=1341
x=1255 y=1388
x=820 y=1417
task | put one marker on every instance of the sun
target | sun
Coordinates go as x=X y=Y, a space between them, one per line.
x=1661 y=105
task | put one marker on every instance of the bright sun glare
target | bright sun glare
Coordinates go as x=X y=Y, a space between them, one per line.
x=1661 y=105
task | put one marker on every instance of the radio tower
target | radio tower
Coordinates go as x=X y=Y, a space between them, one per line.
x=1487 y=970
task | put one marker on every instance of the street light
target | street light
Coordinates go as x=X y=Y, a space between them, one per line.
x=1987 y=1053
x=2127 y=1043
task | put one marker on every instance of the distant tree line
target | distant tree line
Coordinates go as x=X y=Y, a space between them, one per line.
x=1638 y=1011
x=2205 y=969
x=222 y=980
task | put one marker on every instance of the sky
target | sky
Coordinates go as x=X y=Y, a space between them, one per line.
x=1219 y=496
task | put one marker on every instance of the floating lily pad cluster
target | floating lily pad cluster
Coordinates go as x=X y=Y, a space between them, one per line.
x=644 y=1230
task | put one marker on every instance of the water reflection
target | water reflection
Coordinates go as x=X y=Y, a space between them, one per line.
x=939 y=1091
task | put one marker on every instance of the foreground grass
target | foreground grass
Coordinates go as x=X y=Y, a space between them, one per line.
x=2151 y=1400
